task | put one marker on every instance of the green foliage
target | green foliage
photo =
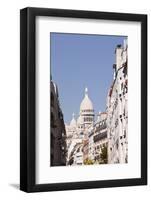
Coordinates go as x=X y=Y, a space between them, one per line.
x=88 y=162
x=103 y=155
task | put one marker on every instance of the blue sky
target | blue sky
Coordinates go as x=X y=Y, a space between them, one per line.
x=79 y=61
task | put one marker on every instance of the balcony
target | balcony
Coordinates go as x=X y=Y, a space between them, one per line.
x=100 y=136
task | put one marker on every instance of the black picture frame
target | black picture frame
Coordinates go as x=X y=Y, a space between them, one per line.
x=28 y=99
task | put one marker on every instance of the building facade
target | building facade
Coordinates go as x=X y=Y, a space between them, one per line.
x=83 y=135
x=100 y=138
x=57 y=130
x=117 y=109
x=74 y=141
x=77 y=132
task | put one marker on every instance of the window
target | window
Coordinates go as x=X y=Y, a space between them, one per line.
x=117 y=145
x=116 y=123
x=52 y=99
x=52 y=120
x=121 y=86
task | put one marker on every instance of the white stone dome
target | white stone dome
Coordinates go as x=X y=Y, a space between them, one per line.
x=86 y=104
x=73 y=122
x=80 y=120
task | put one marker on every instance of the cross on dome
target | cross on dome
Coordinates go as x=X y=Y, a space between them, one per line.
x=86 y=103
x=86 y=91
x=73 y=115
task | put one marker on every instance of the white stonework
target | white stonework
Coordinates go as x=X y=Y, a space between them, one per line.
x=86 y=137
x=117 y=113
x=77 y=131
x=81 y=132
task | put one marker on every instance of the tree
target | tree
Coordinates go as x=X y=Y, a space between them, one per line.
x=103 y=155
x=88 y=162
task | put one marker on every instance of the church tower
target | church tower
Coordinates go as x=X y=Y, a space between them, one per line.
x=86 y=115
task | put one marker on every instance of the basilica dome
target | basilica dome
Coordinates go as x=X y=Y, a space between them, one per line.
x=86 y=104
x=73 y=122
x=80 y=120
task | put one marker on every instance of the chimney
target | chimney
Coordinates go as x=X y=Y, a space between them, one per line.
x=118 y=52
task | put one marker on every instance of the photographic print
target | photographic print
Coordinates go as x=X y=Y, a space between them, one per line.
x=89 y=99
x=83 y=99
